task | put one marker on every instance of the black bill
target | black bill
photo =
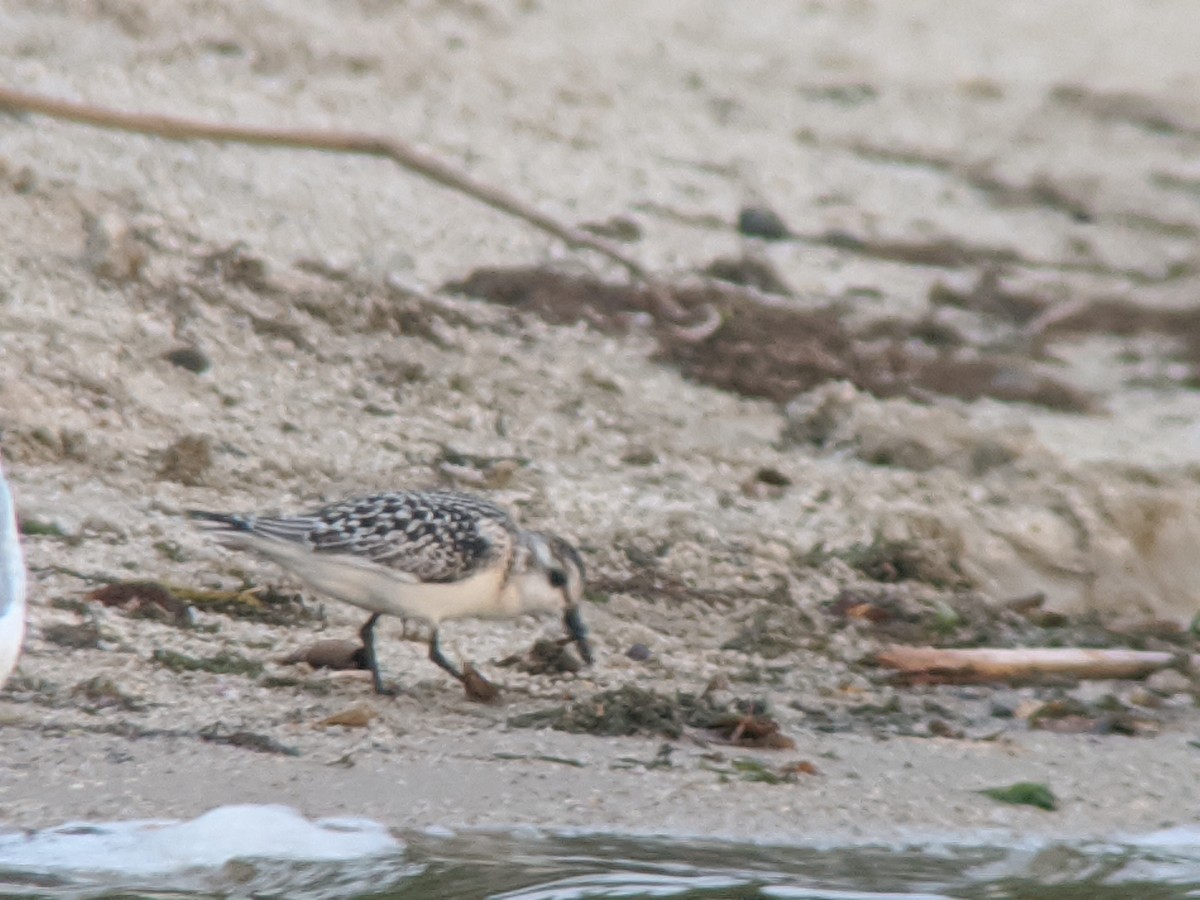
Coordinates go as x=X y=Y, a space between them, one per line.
x=578 y=632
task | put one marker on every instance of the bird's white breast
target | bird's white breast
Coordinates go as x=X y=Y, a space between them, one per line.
x=377 y=588
x=12 y=585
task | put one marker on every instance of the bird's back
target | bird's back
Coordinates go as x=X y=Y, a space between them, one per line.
x=432 y=536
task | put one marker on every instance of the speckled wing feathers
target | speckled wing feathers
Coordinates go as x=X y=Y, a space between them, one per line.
x=435 y=536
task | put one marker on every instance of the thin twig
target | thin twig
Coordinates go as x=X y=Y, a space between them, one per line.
x=404 y=155
x=976 y=664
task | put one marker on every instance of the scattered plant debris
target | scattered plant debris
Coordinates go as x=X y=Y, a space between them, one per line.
x=260 y=604
x=234 y=265
x=929 y=561
x=770 y=633
x=260 y=743
x=746 y=768
x=172 y=550
x=471 y=470
x=1108 y=715
x=626 y=711
x=748 y=271
x=541 y=757
x=83 y=636
x=938 y=252
x=989 y=297
x=318 y=687
x=1044 y=317
x=223 y=663
x=70 y=604
x=911 y=613
x=1132 y=108
x=38 y=528
x=633 y=710
x=661 y=760
x=762 y=347
x=359 y=716
x=1024 y=793
x=752 y=728
x=617 y=228
x=943 y=729
x=546 y=656
x=863 y=606
x=187 y=460
x=145 y=600
x=103 y=693
x=766 y=484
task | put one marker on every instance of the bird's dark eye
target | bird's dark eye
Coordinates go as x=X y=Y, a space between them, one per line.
x=558 y=578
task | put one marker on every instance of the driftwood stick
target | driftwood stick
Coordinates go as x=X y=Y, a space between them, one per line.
x=404 y=155
x=1022 y=664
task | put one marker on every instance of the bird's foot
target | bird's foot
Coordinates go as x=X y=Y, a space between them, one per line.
x=477 y=687
x=388 y=688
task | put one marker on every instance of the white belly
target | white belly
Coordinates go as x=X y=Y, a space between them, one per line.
x=377 y=588
x=12 y=585
x=12 y=631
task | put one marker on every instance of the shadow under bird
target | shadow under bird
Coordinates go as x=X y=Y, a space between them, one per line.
x=427 y=555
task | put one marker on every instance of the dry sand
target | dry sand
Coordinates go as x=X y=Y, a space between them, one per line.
x=1055 y=143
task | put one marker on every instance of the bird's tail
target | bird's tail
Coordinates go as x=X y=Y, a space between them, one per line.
x=236 y=529
x=222 y=521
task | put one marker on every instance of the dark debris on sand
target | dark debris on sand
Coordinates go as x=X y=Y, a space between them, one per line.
x=631 y=710
x=775 y=349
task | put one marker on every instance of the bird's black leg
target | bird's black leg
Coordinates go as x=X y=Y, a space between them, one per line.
x=435 y=655
x=367 y=633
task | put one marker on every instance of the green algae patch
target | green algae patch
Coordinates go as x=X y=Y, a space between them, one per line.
x=1025 y=793
x=222 y=663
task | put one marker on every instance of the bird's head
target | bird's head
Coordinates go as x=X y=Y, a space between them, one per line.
x=550 y=576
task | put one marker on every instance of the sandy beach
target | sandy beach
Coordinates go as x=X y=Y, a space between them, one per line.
x=955 y=403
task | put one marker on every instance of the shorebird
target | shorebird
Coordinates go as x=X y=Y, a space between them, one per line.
x=426 y=555
x=12 y=584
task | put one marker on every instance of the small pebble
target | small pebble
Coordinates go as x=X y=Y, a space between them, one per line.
x=189 y=358
x=1001 y=709
x=1168 y=682
x=330 y=653
x=639 y=456
x=639 y=653
x=763 y=222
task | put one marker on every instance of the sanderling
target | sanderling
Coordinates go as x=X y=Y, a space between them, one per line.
x=12 y=584
x=428 y=555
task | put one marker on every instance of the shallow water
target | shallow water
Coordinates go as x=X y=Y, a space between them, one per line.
x=566 y=868
x=274 y=852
